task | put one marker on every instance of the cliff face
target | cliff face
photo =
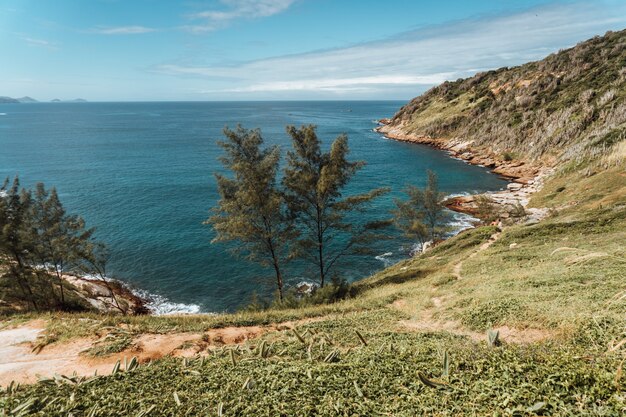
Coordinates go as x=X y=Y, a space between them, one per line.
x=570 y=105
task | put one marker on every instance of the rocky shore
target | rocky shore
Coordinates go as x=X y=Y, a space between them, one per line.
x=108 y=296
x=525 y=178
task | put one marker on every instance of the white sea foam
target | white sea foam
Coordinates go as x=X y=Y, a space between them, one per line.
x=384 y=258
x=454 y=195
x=155 y=303
x=306 y=287
x=462 y=221
x=416 y=249
x=161 y=306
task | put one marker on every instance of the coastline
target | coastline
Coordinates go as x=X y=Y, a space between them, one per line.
x=108 y=296
x=525 y=178
x=100 y=295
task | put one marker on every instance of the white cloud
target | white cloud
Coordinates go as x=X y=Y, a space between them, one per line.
x=39 y=42
x=339 y=84
x=409 y=62
x=123 y=30
x=236 y=9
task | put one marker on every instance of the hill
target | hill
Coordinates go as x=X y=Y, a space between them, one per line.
x=570 y=106
x=27 y=99
x=24 y=99
x=524 y=318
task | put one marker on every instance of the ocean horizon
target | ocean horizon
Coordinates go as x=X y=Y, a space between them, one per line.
x=142 y=174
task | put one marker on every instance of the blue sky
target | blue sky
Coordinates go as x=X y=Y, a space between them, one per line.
x=135 y=50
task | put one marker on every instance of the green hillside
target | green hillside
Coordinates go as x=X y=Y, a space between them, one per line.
x=525 y=320
x=570 y=105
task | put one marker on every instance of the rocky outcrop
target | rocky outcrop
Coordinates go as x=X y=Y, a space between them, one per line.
x=516 y=170
x=107 y=296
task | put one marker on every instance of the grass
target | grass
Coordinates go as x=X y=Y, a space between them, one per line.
x=381 y=378
x=563 y=278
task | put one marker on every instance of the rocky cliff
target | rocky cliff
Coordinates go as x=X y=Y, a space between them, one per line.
x=569 y=106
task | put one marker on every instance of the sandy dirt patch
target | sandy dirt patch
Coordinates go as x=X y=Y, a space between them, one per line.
x=19 y=363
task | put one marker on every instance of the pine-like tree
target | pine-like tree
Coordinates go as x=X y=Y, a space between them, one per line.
x=42 y=242
x=58 y=237
x=314 y=183
x=422 y=216
x=251 y=209
x=436 y=216
x=15 y=242
x=409 y=216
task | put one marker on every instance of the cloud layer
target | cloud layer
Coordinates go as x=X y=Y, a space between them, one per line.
x=410 y=61
x=122 y=30
x=209 y=20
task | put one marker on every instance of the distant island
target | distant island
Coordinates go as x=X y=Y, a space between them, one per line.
x=76 y=100
x=26 y=99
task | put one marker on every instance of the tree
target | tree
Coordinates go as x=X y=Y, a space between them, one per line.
x=422 y=216
x=59 y=239
x=42 y=243
x=251 y=209
x=91 y=259
x=436 y=216
x=314 y=182
x=409 y=216
x=15 y=243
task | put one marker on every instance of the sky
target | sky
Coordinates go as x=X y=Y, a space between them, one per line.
x=196 y=50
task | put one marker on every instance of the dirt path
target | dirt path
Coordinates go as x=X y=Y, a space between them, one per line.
x=19 y=363
x=426 y=321
x=456 y=271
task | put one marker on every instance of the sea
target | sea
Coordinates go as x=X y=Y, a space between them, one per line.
x=143 y=174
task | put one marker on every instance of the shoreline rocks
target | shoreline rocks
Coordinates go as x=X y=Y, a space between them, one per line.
x=108 y=296
x=516 y=170
x=525 y=178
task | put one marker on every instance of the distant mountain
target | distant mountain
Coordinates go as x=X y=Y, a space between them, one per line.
x=4 y=99
x=24 y=99
x=27 y=99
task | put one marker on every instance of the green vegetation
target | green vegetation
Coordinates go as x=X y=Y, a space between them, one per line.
x=422 y=216
x=524 y=321
x=314 y=181
x=306 y=218
x=39 y=243
x=251 y=209
x=570 y=106
x=553 y=293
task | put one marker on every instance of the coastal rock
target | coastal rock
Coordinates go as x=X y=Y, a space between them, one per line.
x=427 y=246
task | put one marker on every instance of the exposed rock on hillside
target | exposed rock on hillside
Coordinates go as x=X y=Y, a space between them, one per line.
x=568 y=106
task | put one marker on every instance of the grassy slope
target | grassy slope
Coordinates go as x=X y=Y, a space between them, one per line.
x=569 y=105
x=555 y=289
x=562 y=278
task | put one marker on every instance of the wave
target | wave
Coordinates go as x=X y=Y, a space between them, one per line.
x=462 y=221
x=306 y=287
x=454 y=195
x=3 y=114
x=158 y=305
x=384 y=258
x=161 y=306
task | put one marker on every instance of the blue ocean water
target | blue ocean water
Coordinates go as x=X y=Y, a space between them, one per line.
x=142 y=174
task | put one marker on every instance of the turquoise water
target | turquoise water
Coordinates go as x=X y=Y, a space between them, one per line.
x=142 y=174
